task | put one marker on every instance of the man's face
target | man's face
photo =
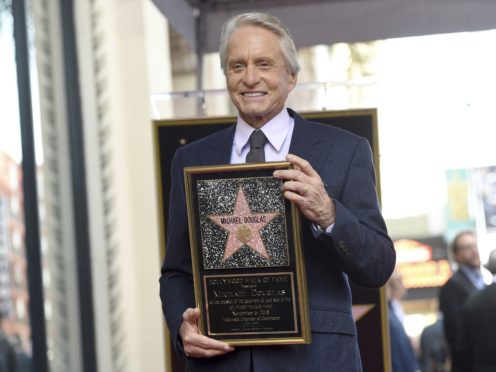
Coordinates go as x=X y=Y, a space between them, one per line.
x=468 y=252
x=258 y=79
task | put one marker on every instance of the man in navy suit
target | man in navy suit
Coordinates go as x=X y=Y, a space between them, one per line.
x=479 y=327
x=403 y=358
x=465 y=282
x=333 y=184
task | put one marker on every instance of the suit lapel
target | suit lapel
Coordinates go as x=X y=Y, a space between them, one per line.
x=219 y=149
x=307 y=144
x=465 y=281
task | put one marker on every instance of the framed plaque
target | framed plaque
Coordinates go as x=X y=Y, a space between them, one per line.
x=248 y=267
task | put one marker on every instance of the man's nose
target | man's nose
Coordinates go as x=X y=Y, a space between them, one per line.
x=252 y=75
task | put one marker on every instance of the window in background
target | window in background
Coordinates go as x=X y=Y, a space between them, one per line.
x=14 y=296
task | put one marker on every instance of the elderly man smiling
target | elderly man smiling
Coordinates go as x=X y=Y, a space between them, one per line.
x=343 y=233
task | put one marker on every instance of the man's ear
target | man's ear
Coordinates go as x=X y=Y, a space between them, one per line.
x=293 y=78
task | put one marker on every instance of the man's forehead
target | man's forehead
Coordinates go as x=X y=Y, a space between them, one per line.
x=466 y=238
x=254 y=31
x=253 y=43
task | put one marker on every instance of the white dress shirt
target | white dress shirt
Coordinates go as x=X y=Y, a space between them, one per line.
x=278 y=132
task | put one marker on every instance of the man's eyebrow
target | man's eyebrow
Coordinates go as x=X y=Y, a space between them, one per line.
x=264 y=59
x=234 y=61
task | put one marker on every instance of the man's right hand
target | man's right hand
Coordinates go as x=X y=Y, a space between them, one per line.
x=196 y=345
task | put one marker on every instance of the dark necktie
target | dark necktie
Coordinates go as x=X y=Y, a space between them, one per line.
x=257 y=142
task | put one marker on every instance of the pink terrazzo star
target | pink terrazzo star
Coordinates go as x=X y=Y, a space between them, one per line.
x=243 y=227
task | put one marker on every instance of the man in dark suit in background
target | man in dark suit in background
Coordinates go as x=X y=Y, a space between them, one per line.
x=333 y=185
x=478 y=341
x=403 y=358
x=433 y=348
x=465 y=282
x=7 y=351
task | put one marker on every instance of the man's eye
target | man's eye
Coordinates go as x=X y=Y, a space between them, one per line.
x=237 y=67
x=264 y=65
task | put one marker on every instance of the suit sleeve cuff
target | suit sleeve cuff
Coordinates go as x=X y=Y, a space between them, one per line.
x=317 y=230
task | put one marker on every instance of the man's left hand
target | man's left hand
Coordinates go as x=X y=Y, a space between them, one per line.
x=304 y=187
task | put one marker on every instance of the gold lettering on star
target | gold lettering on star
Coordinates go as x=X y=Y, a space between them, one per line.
x=243 y=227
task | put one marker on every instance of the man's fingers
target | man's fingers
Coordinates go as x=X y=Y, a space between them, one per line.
x=199 y=346
x=190 y=319
x=302 y=170
x=195 y=344
x=297 y=187
x=206 y=353
x=191 y=315
x=204 y=342
x=305 y=188
x=290 y=174
x=301 y=164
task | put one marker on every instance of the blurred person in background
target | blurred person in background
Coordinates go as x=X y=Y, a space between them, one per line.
x=464 y=283
x=491 y=264
x=403 y=357
x=478 y=339
x=23 y=360
x=433 y=348
x=7 y=351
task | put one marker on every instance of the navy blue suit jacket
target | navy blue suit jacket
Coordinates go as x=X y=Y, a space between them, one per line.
x=403 y=357
x=452 y=297
x=358 y=249
x=478 y=331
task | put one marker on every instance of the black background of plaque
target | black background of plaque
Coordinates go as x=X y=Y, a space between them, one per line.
x=372 y=332
x=252 y=270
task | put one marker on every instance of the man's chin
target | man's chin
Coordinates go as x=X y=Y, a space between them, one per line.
x=255 y=118
x=253 y=114
x=252 y=110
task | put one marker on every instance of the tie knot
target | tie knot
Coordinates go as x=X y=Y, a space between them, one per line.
x=257 y=139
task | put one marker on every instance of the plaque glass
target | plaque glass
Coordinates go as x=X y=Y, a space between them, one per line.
x=248 y=267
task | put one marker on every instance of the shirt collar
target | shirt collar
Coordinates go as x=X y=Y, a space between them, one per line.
x=470 y=270
x=474 y=275
x=276 y=131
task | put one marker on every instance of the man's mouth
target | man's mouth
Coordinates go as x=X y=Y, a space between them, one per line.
x=253 y=94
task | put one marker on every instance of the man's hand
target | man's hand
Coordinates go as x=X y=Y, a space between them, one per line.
x=305 y=188
x=196 y=345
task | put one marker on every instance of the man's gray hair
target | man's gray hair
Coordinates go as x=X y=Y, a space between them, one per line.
x=270 y=23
